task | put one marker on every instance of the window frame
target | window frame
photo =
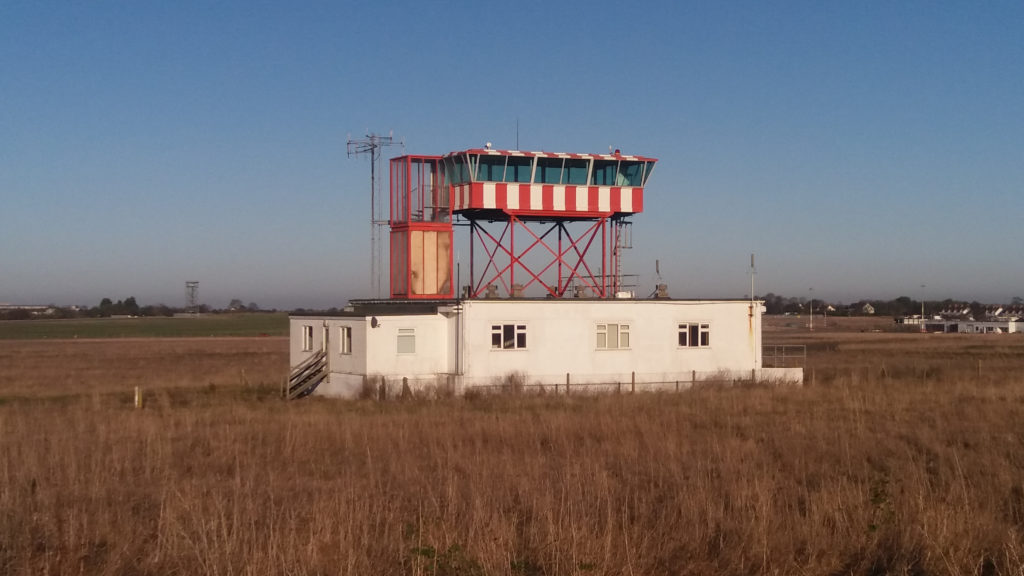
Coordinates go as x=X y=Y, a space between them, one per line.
x=697 y=334
x=604 y=329
x=307 y=337
x=345 y=340
x=509 y=336
x=405 y=335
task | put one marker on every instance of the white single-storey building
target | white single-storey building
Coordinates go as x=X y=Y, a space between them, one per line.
x=458 y=345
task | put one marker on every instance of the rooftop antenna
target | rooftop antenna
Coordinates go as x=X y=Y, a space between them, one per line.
x=753 y=272
x=372 y=145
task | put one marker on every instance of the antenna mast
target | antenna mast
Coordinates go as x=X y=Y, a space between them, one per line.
x=372 y=145
x=753 y=272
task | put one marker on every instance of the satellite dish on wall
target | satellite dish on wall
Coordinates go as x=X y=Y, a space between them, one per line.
x=373 y=322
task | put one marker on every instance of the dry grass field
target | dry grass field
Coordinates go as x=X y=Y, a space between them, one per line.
x=904 y=456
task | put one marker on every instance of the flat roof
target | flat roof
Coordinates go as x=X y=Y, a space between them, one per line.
x=542 y=154
x=401 y=307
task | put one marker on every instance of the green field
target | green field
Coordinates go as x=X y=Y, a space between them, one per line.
x=260 y=324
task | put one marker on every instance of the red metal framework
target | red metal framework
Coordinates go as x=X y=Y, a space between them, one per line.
x=560 y=256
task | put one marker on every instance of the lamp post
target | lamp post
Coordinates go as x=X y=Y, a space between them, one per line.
x=810 y=308
x=923 y=329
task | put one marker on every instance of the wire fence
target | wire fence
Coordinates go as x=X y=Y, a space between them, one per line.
x=784 y=355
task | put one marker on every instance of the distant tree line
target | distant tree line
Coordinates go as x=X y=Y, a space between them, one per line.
x=128 y=307
x=897 y=307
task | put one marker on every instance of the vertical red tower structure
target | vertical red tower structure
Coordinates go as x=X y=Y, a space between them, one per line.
x=421 y=228
x=537 y=217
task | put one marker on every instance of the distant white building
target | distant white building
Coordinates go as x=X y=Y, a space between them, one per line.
x=460 y=345
x=964 y=325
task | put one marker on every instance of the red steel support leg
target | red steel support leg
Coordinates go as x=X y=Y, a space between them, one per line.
x=604 y=260
x=512 y=256
x=558 y=291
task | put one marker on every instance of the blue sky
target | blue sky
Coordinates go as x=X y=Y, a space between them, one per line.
x=859 y=148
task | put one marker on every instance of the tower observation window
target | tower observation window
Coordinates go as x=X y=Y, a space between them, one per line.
x=575 y=171
x=549 y=171
x=620 y=172
x=458 y=172
x=604 y=172
x=491 y=168
x=632 y=173
x=519 y=169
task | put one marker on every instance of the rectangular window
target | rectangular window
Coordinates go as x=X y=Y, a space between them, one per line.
x=632 y=174
x=345 y=340
x=604 y=172
x=694 y=335
x=576 y=171
x=490 y=169
x=519 y=169
x=307 y=338
x=508 y=336
x=612 y=336
x=406 y=340
x=549 y=171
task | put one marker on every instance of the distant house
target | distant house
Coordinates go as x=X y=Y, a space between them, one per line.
x=866 y=308
x=955 y=311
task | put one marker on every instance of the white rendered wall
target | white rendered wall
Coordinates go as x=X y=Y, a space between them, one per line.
x=432 y=341
x=455 y=346
x=561 y=338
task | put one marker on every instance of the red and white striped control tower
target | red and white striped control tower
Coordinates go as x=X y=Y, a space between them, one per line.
x=537 y=217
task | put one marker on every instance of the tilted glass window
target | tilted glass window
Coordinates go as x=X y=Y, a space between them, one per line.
x=519 y=169
x=490 y=168
x=604 y=172
x=576 y=171
x=631 y=173
x=549 y=171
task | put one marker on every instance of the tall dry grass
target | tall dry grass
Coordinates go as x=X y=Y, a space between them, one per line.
x=863 y=474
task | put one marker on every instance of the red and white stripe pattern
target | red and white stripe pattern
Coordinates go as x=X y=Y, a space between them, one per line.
x=560 y=198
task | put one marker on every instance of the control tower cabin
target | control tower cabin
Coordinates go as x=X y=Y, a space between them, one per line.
x=558 y=221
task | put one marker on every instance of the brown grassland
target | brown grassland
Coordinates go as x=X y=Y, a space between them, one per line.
x=903 y=454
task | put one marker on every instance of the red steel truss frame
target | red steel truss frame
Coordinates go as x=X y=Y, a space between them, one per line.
x=568 y=255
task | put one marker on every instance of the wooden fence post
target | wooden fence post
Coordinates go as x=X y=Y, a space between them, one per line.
x=566 y=383
x=632 y=386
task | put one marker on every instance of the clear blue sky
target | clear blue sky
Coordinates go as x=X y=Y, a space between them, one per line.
x=859 y=148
